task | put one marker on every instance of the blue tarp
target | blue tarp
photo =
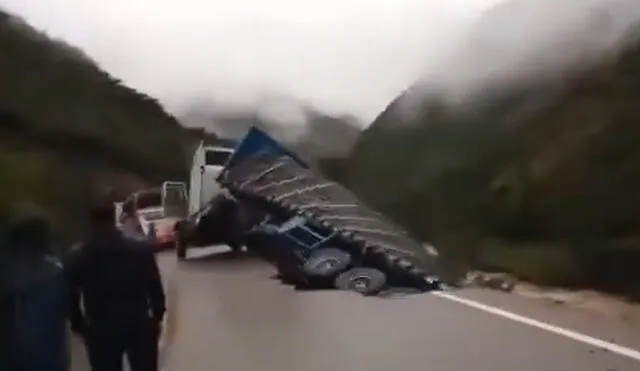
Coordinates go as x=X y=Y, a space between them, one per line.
x=258 y=142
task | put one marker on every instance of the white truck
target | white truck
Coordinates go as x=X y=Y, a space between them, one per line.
x=208 y=161
x=198 y=228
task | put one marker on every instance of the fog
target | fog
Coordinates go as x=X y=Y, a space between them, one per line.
x=528 y=42
x=342 y=56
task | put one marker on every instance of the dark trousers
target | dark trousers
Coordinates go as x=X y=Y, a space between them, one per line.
x=106 y=347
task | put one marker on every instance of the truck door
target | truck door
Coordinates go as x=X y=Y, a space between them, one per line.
x=174 y=199
x=215 y=160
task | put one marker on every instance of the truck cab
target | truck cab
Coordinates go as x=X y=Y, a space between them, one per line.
x=210 y=212
x=208 y=162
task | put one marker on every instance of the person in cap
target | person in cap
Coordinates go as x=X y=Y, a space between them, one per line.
x=123 y=296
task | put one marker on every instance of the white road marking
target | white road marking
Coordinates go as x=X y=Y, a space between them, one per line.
x=586 y=339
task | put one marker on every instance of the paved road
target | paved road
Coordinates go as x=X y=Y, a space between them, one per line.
x=230 y=316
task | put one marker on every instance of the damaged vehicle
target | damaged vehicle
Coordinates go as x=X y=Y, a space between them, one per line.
x=314 y=231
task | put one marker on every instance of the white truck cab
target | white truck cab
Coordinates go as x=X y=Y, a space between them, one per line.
x=208 y=162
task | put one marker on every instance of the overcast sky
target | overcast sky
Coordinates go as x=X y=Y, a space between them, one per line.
x=345 y=56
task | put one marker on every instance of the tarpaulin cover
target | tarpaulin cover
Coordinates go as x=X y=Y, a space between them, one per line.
x=282 y=180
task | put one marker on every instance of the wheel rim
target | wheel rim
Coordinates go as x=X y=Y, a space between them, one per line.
x=327 y=265
x=360 y=283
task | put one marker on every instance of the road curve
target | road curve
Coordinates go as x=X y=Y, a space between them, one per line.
x=229 y=315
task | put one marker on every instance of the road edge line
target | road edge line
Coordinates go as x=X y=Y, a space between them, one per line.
x=579 y=337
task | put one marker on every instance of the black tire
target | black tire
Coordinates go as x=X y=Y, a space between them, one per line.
x=366 y=281
x=289 y=275
x=326 y=262
x=181 y=248
x=391 y=259
x=404 y=264
x=397 y=261
x=433 y=283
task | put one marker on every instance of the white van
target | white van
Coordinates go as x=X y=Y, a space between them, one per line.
x=208 y=162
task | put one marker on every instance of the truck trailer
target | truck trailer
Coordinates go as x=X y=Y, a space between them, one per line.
x=316 y=232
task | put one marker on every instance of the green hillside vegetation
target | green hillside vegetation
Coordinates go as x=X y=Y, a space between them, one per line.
x=68 y=129
x=538 y=180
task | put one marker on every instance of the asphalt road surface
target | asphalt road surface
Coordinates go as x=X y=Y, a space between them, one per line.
x=227 y=314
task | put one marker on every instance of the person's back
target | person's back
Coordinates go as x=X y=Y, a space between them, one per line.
x=123 y=297
x=33 y=301
x=113 y=273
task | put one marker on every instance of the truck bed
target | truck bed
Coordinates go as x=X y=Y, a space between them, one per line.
x=284 y=181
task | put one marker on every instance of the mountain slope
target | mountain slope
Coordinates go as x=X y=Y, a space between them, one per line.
x=556 y=162
x=69 y=129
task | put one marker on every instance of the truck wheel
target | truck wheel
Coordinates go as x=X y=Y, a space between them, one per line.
x=367 y=281
x=326 y=262
x=181 y=248
x=288 y=275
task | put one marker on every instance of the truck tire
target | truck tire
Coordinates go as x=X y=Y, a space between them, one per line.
x=326 y=262
x=366 y=281
x=289 y=275
x=181 y=248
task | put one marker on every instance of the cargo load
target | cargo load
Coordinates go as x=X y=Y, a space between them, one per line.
x=314 y=230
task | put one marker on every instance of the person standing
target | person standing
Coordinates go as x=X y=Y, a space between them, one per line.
x=131 y=226
x=33 y=298
x=122 y=294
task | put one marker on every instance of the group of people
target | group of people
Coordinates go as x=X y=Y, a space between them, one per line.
x=108 y=292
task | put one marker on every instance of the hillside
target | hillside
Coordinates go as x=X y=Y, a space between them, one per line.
x=68 y=129
x=538 y=179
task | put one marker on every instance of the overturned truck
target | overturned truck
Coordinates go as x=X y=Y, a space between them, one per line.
x=314 y=231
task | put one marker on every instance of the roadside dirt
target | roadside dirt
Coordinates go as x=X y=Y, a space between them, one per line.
x=607 y=305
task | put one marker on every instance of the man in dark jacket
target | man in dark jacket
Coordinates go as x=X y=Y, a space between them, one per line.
x=122 y=293
x=33 y=301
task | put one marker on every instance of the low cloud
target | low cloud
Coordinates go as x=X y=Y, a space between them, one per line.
x=342 y=56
